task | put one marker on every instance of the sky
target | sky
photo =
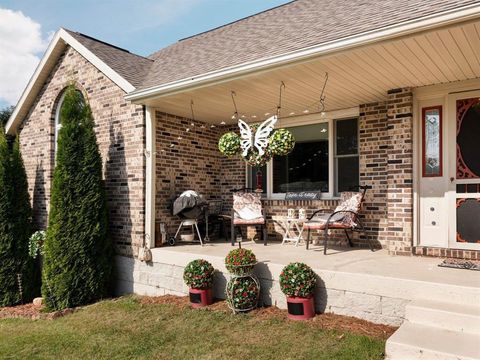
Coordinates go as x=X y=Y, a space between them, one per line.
x=141 y=26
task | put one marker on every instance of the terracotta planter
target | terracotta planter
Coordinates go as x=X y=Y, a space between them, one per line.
x=200 y=297
x=300 y=308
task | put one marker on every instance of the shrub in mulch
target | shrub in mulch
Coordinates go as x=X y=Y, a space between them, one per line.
x=32 y=312
x=326 y=321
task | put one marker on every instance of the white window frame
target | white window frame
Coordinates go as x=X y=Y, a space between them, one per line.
x=58 y=125
x=311 y=119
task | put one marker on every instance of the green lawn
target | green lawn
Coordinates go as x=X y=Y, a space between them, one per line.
x=126 y=328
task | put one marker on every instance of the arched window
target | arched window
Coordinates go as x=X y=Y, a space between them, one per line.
x=58 y=120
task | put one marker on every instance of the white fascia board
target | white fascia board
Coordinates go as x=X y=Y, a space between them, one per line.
x=62 y=38
x=13 y=118
x=386 y=33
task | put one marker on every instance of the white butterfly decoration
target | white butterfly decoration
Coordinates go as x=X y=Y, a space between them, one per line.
x=260 y=140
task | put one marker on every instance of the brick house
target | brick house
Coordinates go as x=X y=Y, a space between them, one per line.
x=401 y=115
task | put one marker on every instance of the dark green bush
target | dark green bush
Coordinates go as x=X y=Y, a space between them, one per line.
x=17 y=280
x=78 y=254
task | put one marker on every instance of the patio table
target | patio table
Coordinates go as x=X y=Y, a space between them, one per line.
x=293 y=229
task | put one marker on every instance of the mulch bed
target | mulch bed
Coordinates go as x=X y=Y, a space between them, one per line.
x=29 y=311
x=325 y=321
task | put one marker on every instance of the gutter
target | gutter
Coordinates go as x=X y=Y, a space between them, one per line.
x=412 y=26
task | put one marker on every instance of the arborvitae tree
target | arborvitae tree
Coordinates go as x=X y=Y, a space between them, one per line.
x=22 y=224
x=78 y=255
x=17 y=282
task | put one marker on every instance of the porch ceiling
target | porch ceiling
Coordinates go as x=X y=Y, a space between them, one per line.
x=356 y=76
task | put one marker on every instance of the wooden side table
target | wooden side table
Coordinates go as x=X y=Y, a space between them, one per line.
x=293 y=229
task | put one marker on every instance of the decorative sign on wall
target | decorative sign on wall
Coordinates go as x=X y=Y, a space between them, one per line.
x=303 y=195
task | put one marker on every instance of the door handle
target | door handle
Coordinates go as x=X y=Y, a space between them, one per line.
x=452 y=179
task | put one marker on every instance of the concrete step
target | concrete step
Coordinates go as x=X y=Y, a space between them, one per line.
x=450 y=316
x=414 y=341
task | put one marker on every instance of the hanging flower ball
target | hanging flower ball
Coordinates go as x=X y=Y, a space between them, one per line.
x=281 y=143
x=254 y=159
x=229 y=144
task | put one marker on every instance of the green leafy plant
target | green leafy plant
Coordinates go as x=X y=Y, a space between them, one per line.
x=281 y=143
x=35 y=245
x=229 y=144
x=240 y=261
x=298 y=279
x=242 y=293
x=17 y=272
x=78 y=260
x=198 y=274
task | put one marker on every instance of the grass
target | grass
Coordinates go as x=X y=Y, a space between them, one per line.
x=127 y=328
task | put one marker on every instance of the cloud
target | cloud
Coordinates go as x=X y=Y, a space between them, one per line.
x=21 y=43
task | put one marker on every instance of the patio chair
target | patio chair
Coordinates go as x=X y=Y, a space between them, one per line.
x=247 y=211
x=344 y=217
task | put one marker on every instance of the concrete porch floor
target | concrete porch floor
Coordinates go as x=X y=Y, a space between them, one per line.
x=347 y=260
x=357 y=282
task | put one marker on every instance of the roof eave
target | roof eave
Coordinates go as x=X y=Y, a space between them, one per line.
x=402 y=29
x=60 y=40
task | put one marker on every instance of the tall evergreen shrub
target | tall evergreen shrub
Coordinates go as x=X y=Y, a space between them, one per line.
x=78 y=255
x=17 y=282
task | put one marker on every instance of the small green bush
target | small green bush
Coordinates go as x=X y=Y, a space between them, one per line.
x=198 y=274
x=298 y=279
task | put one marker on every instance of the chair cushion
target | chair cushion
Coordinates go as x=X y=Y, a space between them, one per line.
x=257 y=221
x=247 y=206
x=351 y=201
x=319 y=223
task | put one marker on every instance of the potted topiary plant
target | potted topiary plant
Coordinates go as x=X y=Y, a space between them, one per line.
x=240 y=261
x=297 y=282
x=198 y=275
x=243 y=288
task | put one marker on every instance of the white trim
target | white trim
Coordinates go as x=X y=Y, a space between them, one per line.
x=150 y=175
x=58 y=125
x=408 y=27
x=59 y=41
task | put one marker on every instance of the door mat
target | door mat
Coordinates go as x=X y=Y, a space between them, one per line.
x=461 y=264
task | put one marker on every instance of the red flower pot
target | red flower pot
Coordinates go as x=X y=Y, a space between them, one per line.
x=200 y=297
x=300 y=308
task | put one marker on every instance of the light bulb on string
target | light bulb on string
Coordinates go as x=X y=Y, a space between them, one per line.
x=212 y=126
x=223 y=123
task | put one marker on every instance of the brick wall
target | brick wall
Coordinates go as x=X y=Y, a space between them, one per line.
x=120 y=133
x=386 y=164
x=400 y=171
x=192 y=163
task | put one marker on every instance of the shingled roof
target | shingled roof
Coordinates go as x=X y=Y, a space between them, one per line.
x=131 y=67
x=293 y=26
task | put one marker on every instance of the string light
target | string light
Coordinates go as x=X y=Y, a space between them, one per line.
x=223 y=123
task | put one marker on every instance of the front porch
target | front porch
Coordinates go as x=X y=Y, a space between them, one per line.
x=357 y=282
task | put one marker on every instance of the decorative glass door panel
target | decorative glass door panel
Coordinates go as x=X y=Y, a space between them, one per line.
x=468 y=171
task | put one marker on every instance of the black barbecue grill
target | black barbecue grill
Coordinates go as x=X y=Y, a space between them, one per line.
x=192 y=208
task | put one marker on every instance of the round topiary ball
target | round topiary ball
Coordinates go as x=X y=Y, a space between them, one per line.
x=297 y=279
x=198 y=274
x=229 y=144
x=243 y=293
x=240 y=261
x=256 y=160
x=281 y=143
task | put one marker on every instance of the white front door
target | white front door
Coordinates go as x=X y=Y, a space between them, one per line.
x=464 y=170
x=433 y=180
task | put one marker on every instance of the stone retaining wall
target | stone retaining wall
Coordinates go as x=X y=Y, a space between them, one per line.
x=156 y=279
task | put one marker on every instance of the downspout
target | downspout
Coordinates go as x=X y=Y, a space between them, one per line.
x=150 y=154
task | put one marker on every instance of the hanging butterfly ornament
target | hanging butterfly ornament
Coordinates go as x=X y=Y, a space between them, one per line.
x=256 y=143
